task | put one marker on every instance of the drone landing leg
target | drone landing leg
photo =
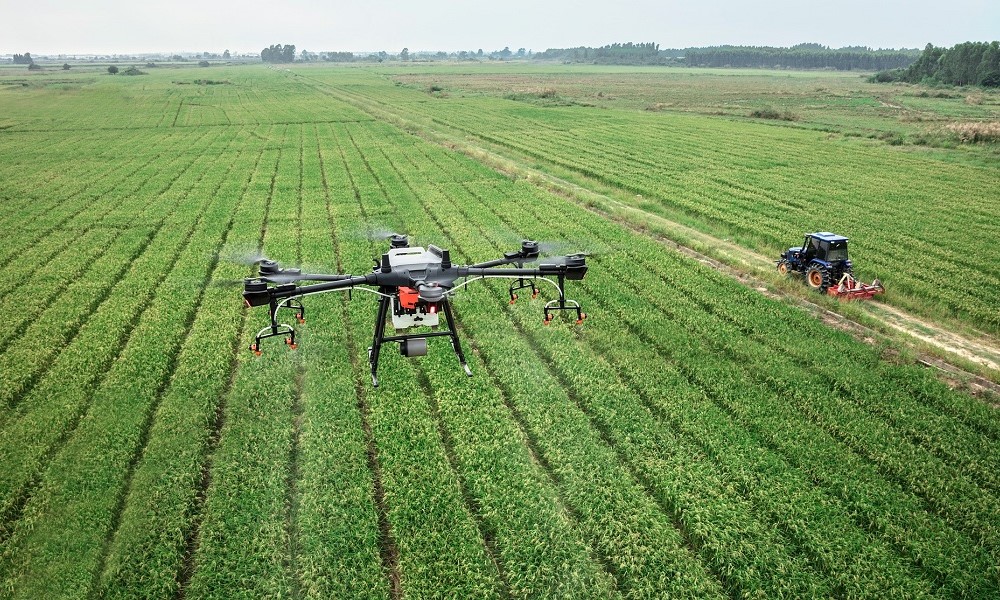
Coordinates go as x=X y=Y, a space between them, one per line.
x=446 y=305
x=377 y=339
x=276 y=329
x=563 y=304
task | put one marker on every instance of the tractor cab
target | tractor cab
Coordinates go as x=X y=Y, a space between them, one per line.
x=824 y=246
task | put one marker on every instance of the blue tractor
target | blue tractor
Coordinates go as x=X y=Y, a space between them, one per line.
x=823 y=260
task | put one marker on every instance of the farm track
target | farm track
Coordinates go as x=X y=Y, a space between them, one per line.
x=744 y=265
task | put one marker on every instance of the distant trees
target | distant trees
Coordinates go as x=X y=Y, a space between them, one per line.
x=65 y=66
x=23 y=59
x=112 y=70
x=226 y=54
x=801 y=56
x=34 y=67
x=969 y=63
x=404 y=54
x=203 y=63
x=612 y=54
x=337 y=56
x=276 y=53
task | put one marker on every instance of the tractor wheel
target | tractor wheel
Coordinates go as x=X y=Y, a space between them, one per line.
x=818 y=278
x=783 y=267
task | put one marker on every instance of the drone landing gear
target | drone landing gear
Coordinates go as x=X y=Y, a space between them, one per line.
x=562 y=303
x=520 y=284
x=276 y=329
x=414 y=344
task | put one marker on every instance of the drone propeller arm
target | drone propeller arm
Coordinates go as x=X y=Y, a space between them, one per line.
x=256 y=292
x=571 y=272
x=344 y=282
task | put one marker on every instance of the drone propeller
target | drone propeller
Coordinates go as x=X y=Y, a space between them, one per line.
x=572 y=258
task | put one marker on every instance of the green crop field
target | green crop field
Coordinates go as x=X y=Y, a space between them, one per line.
x=693 y=438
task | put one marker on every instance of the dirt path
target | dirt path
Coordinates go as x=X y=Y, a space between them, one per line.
x=952 y=350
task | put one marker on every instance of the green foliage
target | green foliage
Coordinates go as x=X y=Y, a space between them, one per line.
x=276 y=53
x=112 y=70
x=23 y=59
x=34 y=67
x=969 y=63
x=769 y=112
x=802 y=56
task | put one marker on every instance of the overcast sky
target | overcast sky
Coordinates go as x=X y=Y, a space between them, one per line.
x=110 y=26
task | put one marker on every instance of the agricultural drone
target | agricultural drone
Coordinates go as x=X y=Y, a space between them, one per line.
x=414 y=287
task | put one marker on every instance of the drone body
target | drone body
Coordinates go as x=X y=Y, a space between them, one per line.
x=414 y=286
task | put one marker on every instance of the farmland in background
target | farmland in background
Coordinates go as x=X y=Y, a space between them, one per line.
x=919 y=217
x=693 y=438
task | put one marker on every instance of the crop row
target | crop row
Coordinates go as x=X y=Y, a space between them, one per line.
x=590 y=230
x=80 y=494
x=68 y=254
x=147 y=551
x=640 y=545
x=42 y=222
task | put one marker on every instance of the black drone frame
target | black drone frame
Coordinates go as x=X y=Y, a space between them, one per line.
x=432 y=277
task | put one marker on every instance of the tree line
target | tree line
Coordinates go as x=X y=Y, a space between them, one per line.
x=969 y=63
x=613 y=54
x=801 y=56
x=276 y=53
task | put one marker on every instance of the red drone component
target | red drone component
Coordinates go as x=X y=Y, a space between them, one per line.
x=408 y=298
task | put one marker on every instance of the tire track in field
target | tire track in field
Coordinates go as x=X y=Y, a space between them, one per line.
x=168 y=377
x=293 y=497
x=470 y=502
x=186 y=570
x=388 y=550
x=530 y=441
